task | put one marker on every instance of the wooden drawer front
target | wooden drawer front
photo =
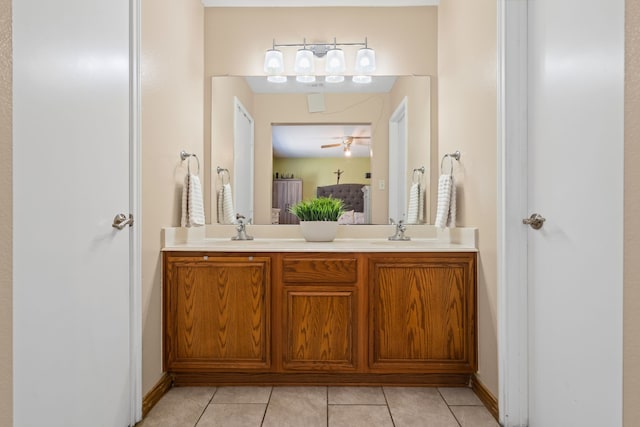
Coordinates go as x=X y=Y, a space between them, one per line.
x=319 y=270
x=319 y=331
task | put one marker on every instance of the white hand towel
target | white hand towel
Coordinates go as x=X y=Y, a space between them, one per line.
x=451 y=218
x=192 y=205
x=446 y=211
x=414 y=200
x=227 y=205
x=420 y=204
x=220 y=211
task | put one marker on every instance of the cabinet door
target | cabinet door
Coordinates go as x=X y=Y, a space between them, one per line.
x=320 y=312
x=319 y=330
x=422 y=313
x=217 y=312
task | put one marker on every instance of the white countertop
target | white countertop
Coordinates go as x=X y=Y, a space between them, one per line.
x=287 y=238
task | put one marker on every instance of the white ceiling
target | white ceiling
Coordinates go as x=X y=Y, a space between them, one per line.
x=305 y=140
x=317 y=3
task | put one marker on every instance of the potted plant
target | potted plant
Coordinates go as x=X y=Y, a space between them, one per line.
x=318 y=218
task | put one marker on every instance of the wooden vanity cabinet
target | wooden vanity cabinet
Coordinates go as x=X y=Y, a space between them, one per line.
x=422 y=310
x=216 y=312
x=321 y=305
x=320 y=318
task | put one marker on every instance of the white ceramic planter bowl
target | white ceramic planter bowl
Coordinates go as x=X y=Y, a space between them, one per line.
x=319 y=231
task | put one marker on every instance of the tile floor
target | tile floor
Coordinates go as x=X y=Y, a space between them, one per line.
x=319 y=406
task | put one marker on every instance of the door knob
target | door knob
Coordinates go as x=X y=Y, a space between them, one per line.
x=536 y=221
x=121 y=221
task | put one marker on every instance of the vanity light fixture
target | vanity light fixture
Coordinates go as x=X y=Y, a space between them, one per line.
x=304 y=65
x=335 y=65
x=365 y=64
x=274 y=65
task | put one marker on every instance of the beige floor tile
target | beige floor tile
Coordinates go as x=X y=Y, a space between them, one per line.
x=356 y=396
x=418 y=406
x=180 y=407
x=296 y=407
x=233 y=415
x=459 y=396
x=242 y=395
x=474 y=416
x=359 y=416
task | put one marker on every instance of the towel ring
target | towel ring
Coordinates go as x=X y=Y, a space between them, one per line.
x=221 y=173
x=451 y=157
x=418 y=171
x=187 y=156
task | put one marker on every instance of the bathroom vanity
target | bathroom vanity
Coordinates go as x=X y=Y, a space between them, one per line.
x=353 y=311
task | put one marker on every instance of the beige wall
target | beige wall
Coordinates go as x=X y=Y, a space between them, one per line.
x=172 y=120
x=405 y=40
x=632 y=213
x=467 y=77
x=6 y=207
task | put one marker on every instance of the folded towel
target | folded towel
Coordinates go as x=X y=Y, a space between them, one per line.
x=366 y=190
x=225 y=205
x=446 y=211
x=192 y=204
x=414 y=201
x=421 y=192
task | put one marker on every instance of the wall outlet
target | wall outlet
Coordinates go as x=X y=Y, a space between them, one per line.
x=381 y=184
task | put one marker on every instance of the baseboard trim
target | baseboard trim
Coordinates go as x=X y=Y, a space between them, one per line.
x=489 y=401
x=156 y=393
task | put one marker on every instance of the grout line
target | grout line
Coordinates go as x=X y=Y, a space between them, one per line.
x=205 y=407
x=388 y=407
x=327 y=403
x=448 y=406
x=359 y=404
x=266 y=406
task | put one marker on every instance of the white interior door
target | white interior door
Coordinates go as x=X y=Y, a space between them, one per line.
x=398 y=203
x=575 y=164
x=243 y=159
x=71 y=269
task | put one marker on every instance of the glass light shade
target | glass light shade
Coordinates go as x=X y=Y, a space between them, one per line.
x=305 y=78
x=277 y=79
x=365 y=61
x=361 y=79
x=347 y=152
x=304 y=62
x=334 y=79
x=273 y=62
x=335 y=62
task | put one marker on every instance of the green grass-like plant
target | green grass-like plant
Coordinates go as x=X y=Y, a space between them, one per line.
x=320 y=209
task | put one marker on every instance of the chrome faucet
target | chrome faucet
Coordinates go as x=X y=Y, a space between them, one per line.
x=241 y=226
x=400 y=229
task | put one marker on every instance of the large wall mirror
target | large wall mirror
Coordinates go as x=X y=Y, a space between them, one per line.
x=389 y=120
